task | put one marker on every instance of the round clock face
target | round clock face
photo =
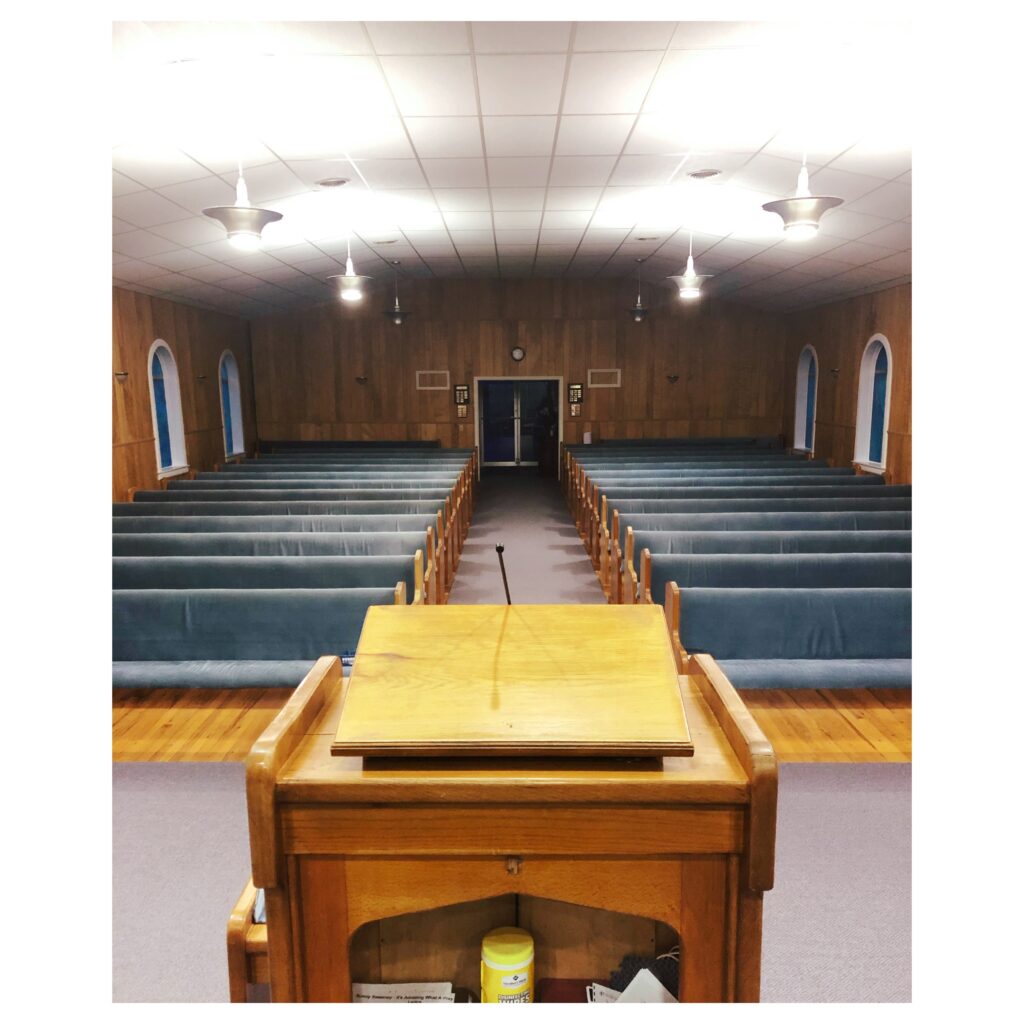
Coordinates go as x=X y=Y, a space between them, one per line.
x=518 y=354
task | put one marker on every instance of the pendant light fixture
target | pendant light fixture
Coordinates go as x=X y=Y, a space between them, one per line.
x=801 y=214
x=350 y=284
x=689 y=281
x=639 y=311
x=243 y=223
x=396 y=314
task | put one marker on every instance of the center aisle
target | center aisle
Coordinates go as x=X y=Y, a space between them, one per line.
x=545 y=560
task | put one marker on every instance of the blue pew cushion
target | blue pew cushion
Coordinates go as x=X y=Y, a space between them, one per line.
x=215 y=674
x=814 y=673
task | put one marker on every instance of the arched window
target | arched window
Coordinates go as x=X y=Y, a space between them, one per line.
x=165 y=399
x=231 y=404
x=873 y=403
x=806 y=399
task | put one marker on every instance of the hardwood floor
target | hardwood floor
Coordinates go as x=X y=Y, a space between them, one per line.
x=221 y=725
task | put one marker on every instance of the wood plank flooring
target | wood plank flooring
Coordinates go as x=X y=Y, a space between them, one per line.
x=221 y=725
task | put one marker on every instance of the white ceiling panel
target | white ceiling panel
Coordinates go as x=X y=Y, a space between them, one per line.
x=593 y=134
x=857 y=253
x=520 y=84
x=156 y=165
x=509 y=171
x=144 y=209
x=181 y=260
x=392 y=173
x=195 y=231
x=455 y=174
x=418 y=37
x=517 y=198
x=609 y=83
x=566 y=219
x=222 y=154
x=572 y=198
x=196 y=196
x=521 y=36
x=462 y=199
x=896 y=235
x=841 y=222
x=623 y=35
x=515 y=239
x=124 y=185
x=137 y=270
x=429 y=86
x=479 y=220
x=141 y=244
x=880 y=158
x=891 y=200
x=644 y=170
x=272 y=181
x=519 y=136
x=445 y=137
x=830 y=181
x=516 y=219
x=581 y=170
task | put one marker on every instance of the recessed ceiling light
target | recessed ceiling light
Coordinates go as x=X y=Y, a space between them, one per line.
x=385 y=241
x=707 y=172
x=332 y=182
x=647 y=238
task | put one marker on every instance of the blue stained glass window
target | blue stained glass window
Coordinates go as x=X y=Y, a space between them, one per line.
x=225 y=403
x=160 y=401
x=878 y=405
x=812 y=377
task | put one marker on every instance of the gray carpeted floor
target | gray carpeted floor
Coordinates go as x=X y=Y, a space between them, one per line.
x=836 y=926
x=544 y=556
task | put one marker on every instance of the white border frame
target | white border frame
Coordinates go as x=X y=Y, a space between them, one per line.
x=865 y=390
x=434 y=387
x=478 y=408
x=801 y=401
x=235 y=398
x=611 y=369
x=175 y=420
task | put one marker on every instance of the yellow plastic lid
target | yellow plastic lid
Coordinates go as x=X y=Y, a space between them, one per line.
x=508 y=947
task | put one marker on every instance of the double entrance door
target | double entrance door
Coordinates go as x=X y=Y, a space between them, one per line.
x=518 y=422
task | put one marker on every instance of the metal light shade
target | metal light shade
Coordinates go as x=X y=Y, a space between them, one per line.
x=397 y=315
x=800 y=215
x=245 y=220
x=638 y=312
x=350 y=286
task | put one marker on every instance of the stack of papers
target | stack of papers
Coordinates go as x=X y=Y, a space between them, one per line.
x=411 y=992
x=644 y=988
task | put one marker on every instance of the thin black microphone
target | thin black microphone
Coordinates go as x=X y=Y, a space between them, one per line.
x=500 y=548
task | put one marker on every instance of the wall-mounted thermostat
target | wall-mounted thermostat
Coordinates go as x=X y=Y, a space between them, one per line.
x=462 y=394
x=575 y=394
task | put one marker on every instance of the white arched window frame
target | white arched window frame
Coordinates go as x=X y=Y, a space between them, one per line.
x=877 y=344
x=172 y=402
x=230 y=403
x=805 y=380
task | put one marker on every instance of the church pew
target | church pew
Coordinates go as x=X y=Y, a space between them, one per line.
x=271 y=492
x=685 y=542
x=270 y=523
x=274 y=508
x=290 y=572
x=215 y=481
x=754 y=491
x=826 y=570
x=269 y=544
x=235 y=638
x=795 y=638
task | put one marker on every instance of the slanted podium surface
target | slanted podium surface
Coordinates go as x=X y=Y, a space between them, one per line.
x=588 y=680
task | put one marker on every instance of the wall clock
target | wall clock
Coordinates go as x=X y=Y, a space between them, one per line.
x=518 y=354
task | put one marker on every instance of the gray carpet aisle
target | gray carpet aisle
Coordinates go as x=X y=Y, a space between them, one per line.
x=544 y=556
x=836 y=926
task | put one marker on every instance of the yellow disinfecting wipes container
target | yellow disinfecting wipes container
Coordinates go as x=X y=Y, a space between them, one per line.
x=506 y=966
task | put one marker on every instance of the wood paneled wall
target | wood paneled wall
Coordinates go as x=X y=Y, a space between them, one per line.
x=729 y=361
x=197 y=338
x=839 y=332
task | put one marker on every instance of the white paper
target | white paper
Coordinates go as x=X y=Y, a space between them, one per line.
x=602 y=994
x=587 y=437
x=645 y=988
x=406 y=992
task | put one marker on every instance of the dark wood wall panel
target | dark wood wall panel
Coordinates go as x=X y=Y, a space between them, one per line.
x=729 y=360
x=839 y=333
x=197 y=338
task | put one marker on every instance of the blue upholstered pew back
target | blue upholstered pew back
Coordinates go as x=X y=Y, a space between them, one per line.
x=268 y=544
x=274 y=508
x=769 y=542
x=274 y=492
x=273 y=523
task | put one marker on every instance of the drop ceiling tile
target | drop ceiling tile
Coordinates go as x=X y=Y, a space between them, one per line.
x=771 y=174
x=141 y=243
x=480 y=220
x=272 y=181
x=572 y=171
x=120 y=226
x=609 y=83
x=137 y=270
x=521 y=36
x=891 y=200
x=517 y=219
x=445 y=137
x=732 y=248
x=418 y=238
x=517 y=198
x=897 y=235
x=445 y=267
x=210 y=271
x=295 y=254
x=221 y=250
x=879 y=158
x=572 y=198
x=782 y=256
x=322 y=267
x=168 y=282
x=515 y=237
x=182 y=260
x=221 y=154
x=154 y=166
x=829 y=181
x=519 y=136
x=430 y=252
x=623 y=35
x=418 y=37
x=474 y=250
x=431 y=86
x=822 y=142
x=605 y=236
x=387 y=174
x=196 y=196
x=459 y=174
x=897 y=264
x=144 y=209
x=377 y=138
x=644 y=170
x=843 y=223
x=512 y=171
x=858 y=253
x=567 y=219
x=253 y=261
x=520 y=85
x=457 y=200
x=593 y=134
x=559 y=243
x=123 y=185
